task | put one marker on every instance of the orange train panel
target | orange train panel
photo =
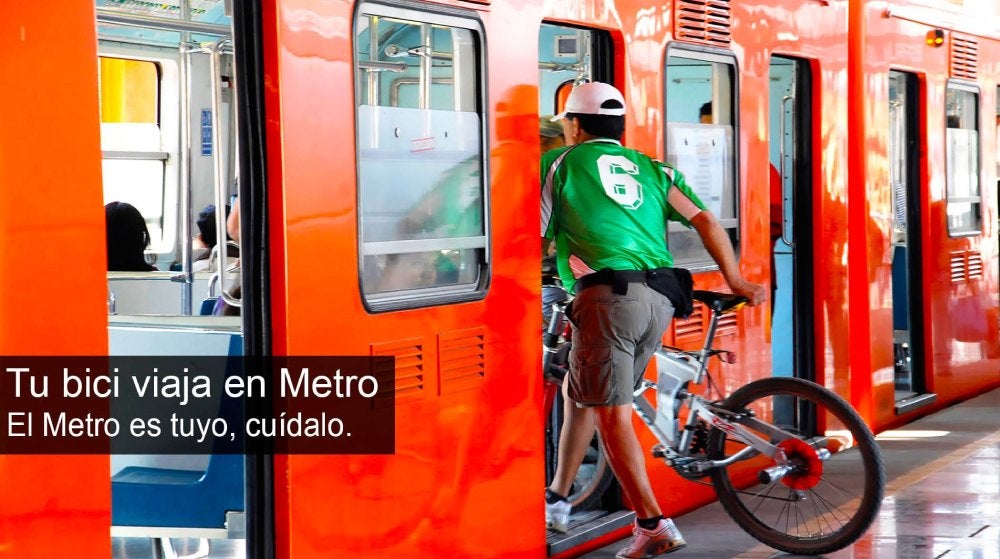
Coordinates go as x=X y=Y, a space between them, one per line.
x=52 y=260
x=469 y=454
x=960 y=274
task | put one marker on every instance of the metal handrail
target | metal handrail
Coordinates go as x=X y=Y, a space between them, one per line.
x=781 y=167
x=186 y=277
x=220 y=47
x=108 y=15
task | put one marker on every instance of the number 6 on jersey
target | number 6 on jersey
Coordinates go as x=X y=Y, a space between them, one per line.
x=616 y=176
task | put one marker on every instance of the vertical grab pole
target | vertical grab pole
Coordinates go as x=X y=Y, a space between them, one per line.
x=783 y=155
x=186 y=276
x=220 y=188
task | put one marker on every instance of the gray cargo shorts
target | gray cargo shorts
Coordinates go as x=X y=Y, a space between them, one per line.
x=613 y=339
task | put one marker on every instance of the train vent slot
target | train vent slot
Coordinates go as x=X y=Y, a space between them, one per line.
x=692 y=328
x=409 y=371
x=703 y=21
x=728 y=325
x=957 y=267
x=974 y=265
x=964 y=57
x=462 y=359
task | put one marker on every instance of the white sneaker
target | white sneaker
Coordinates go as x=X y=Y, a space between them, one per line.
x=557 y=516
x=665 y=538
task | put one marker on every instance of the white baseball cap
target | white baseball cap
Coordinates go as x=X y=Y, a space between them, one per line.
x=588 y=98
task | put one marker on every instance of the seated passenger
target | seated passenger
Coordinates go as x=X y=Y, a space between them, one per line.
x=127 y=238
x=233 y=229
x=202 y=256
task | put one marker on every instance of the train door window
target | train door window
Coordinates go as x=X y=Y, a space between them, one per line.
x=962 y=167
x=134 y=162
x=421 y=162
x=700 y=143
x=569 y=56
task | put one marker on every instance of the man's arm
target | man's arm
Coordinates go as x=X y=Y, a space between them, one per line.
x=717 y=242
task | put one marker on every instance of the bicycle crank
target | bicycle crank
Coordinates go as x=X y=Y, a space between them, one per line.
x=803 y=468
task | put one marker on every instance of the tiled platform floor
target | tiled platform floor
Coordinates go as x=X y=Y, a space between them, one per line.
x=942 y=498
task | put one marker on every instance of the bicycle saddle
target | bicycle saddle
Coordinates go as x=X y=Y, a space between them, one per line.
x=718 y=302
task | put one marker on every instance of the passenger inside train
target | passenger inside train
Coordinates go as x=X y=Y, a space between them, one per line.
x=205 y=241
x=127 y=238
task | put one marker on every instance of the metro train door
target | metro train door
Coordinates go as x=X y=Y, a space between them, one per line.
x=791 y=187
x=903 y=147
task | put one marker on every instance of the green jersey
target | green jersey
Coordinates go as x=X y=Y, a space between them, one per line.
x=607 y=206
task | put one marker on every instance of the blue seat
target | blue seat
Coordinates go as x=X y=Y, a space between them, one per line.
x=208 y=306
x=166 y=498
x=164 y=502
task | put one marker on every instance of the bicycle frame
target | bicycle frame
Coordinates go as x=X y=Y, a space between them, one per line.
x=676 y=371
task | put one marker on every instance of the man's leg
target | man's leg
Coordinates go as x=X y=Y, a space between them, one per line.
x=574 y=440
x=625 y=456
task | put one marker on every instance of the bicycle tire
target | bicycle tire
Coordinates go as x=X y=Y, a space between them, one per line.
x=807 y=539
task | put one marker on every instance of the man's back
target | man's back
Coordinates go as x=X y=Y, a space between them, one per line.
x=609 y=207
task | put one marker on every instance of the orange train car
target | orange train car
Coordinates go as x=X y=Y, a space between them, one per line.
x=384 y=154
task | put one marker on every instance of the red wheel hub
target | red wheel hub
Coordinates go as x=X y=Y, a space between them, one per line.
x=809 y=468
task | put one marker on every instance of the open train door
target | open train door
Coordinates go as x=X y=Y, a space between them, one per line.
x=907 y=305
x=567 y=57
x=791 y=238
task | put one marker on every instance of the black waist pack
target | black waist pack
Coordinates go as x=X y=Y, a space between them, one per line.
x=675 y=284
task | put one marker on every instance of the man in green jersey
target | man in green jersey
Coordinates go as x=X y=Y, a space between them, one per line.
x=606 y=207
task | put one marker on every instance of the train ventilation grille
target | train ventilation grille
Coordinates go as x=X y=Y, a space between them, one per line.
x=692 y=328
x=964 y=57
x=966 y=266
x=409 y=369
x=703 y=21
x=974 y=266
x=728 y=325
x=462 y=359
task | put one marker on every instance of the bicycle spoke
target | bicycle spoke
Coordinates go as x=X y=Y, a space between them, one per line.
x=762 y=496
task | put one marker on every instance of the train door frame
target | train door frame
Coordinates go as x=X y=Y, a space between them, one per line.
x=248 y=45
x=906 y=246
x=797 y=212
x=596 y=65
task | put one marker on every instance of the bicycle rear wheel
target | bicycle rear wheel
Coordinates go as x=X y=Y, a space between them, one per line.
x=819 y=506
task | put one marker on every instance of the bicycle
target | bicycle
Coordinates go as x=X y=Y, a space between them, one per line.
x=781 y=431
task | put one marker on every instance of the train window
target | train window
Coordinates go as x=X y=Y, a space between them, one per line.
x=962 y=171
x=700 y=136
x=421 y=162
x=133 y=161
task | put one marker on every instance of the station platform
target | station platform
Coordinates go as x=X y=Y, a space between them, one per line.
x=942 y=497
